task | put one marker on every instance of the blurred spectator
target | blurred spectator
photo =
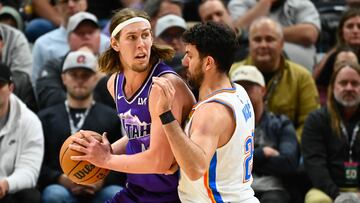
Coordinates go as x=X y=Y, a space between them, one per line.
x=158 y=8
x=341 y=54
x=290 y=88
x=216 y=11
x=103 y=9
x=15 y=53
x=86 y=27
x=348 y=34
x=299 y=19
x=353 y=3
x=330 y=143
x=13 y=3
x=54 y=44
x=10 y=16
x=330 y=13
x=82 y=32
x=169 y=30
x=46 y=17
x=190 y=9
x=276 y=149
x=79 y=111
x=21 y=145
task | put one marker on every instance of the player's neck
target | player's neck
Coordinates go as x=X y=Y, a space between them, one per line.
x=79 y=103
x=210 y=85
x=134 y=81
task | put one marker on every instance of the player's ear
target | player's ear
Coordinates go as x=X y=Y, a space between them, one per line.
x=114 y=44
x=210 y=62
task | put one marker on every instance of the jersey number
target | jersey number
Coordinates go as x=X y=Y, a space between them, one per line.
x=249 y=152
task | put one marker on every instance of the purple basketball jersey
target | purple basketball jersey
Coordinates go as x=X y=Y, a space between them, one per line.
x=136 y=121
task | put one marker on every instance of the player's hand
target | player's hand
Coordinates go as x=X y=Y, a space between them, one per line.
x=4 y=188
x=95 y=151
x=165 y=92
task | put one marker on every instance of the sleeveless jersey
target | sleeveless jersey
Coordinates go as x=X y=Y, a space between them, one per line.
x=228 y=178
x=136 y=121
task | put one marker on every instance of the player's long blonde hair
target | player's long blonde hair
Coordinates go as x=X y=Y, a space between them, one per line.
x=109 y=61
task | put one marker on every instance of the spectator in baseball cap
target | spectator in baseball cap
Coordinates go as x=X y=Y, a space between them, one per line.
x=168 y=30
x=274 y=141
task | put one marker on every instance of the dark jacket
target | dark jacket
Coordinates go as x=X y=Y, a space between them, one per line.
x=278 y=133
x=325 y=152
x=51 y=91
x=57 y=129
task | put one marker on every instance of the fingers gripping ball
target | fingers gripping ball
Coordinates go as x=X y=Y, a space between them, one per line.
x=80 y=172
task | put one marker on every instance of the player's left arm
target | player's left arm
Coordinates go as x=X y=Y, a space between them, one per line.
x=211 y=127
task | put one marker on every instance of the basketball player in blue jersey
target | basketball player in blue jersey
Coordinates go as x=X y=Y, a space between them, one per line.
x=145 y=154
x=215 y=151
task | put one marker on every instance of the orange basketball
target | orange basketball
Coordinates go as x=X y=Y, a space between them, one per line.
x=80 y=172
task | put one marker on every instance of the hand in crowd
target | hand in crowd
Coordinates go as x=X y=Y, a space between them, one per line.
x=270 y=152
x=77 y=189
x=85 y=190
x=4 y=188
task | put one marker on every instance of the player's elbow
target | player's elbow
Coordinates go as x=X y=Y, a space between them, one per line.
x=161 y=166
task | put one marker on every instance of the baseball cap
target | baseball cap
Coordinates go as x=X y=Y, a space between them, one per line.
x=248 y=73
x=80 y=59
x=78 y=18
x=8 y=11
x=168 y=21
x=5 y=73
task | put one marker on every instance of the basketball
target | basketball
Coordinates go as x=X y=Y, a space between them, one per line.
x=80 y=172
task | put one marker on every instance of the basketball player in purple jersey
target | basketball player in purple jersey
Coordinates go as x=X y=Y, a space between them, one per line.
x=144 y=153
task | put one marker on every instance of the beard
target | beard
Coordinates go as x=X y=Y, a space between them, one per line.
x=195 y=80
x=277 y=5
x=355 y=101
x=80 y=95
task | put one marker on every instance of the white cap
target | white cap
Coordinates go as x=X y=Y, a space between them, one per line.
x=248 y=73
x=79 y=17
x=168 y=21
x=80 y=59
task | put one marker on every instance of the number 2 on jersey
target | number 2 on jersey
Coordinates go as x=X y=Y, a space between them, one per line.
x=248 y=161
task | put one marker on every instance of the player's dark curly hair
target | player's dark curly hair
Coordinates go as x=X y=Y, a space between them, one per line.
x=215 y=40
